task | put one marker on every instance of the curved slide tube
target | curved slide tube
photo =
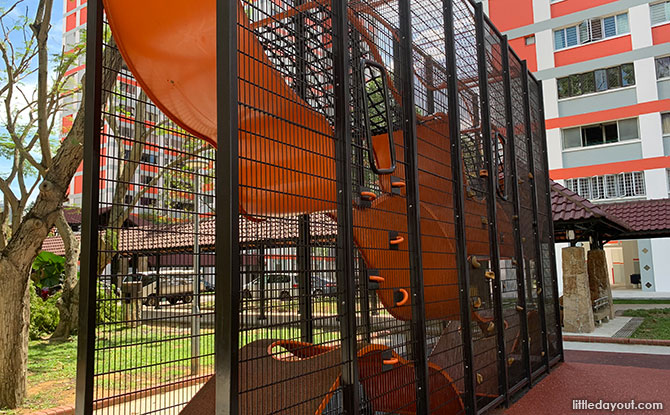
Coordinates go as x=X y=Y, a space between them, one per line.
x=286 y=148
x=315 y=372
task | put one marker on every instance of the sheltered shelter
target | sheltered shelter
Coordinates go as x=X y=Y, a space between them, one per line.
x=576 y=219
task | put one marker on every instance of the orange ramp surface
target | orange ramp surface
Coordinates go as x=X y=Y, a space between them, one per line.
x=170 y=47
x=286 y=148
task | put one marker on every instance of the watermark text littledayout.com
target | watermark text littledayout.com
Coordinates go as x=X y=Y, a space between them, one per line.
x=632 y=405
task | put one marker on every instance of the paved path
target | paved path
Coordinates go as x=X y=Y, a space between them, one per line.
x=640 y=295
x=612 y=377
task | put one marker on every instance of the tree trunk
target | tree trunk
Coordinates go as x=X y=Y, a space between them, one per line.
x=15 y=309
x=17 y=257
x=68 y=303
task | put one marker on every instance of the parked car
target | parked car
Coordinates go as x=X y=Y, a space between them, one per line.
x=281 y=286
x=285 y=287
x=173 y=286
x=323 y=287
x=209 y=287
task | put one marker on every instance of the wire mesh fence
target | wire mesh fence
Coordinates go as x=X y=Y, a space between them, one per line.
x=393 y=250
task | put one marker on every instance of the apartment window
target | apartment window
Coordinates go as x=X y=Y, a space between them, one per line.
x=147 y=201
x=126 y=131
x=151 y=115
x=126 y=110
x=660 y=12
x=148 y=158
x=663 y=67
x=596 y=81
x=128 y=89
x=530 y=40
x=146 y=179
x=667 y=173
x=591 y=30
x=606 y=133
x=665 y=123
x=610 y=186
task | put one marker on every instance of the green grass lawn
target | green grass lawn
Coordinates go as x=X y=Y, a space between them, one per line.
x=650 y=301
x=130 y=359
x=656 y=324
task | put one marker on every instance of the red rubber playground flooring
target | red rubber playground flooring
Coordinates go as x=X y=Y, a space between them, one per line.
x=595 y=376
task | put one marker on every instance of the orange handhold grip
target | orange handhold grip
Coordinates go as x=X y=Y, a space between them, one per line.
x=368 y=196
x=405 y=297
x=376 y=278
x=397 y=240
x=392 y=361
x=398 y=184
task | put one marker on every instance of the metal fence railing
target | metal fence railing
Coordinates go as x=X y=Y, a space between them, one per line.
x=361 y=225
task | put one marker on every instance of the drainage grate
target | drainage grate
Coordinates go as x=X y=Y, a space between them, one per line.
x=628 y=329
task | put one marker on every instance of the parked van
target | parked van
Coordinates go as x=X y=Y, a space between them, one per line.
x=174 y=286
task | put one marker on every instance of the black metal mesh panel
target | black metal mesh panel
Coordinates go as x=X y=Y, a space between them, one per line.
x=532 y=275
x=290 y=321
x=519 y=111
x=544 y=220
x=380 y=223
x=473 y=142
x=154 y=305
x=154 y=345
x=436 y=187
x=501 y=142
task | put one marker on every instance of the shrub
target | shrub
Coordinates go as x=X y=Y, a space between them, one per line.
x=109 y=309
x=43 y=314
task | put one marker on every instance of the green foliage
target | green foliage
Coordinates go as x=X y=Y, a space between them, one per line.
x=43 y=314
x=109 y=306
x=656 y=324
x=48 y=269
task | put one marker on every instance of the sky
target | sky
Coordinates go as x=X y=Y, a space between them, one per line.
x=28 y=7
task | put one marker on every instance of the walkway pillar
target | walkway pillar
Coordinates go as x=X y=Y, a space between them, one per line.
x=577 y=307
x=599 y=282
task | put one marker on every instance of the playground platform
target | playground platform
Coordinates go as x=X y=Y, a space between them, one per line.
x=619 y=376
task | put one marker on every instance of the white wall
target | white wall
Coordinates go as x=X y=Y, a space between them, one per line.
x=661 y=263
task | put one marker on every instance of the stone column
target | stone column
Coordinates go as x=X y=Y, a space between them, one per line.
x=577 y=306
x=599 y=282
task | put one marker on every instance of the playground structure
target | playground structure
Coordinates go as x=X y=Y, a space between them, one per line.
x=402 y=141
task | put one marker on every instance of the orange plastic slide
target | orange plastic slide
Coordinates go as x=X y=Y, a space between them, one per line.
x=170 y=47
x=287 y=149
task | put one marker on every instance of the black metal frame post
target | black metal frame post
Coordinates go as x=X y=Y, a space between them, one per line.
x=301 y=63
x=345 y=239
x=304 y=258
x=418 y=323
x=158 y=281
x=364 y=298
x=429 y=65
x=262 y=301
x=536 y=234
x=459 y=206
x=516 y=201
x=227 y=297
x=552 y=248
x=90 y=217
x=492 y=198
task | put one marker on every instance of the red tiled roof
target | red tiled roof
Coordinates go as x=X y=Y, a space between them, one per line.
x=179 y=237
x=642 y=215
x=571 y=212
x=54 y=244
x=568 y=206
